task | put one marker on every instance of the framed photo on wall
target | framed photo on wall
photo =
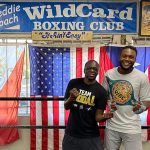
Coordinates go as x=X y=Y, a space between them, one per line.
x=144 y=25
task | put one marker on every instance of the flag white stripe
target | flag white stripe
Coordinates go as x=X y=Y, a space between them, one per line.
x=38 y=139
x=96 y=57
x=61 y=113
x=50 y=113
x=50 y=139
x=72 y=62
x=84 y=58
x=38 y=122
x=146 y=72
x=38 y=113
x=61 y=122
x=50 y=122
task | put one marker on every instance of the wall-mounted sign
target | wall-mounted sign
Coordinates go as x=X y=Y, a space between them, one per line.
x=62 y=35
x=98 y=17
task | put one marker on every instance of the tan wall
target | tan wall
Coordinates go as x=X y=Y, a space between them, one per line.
x=24 y=142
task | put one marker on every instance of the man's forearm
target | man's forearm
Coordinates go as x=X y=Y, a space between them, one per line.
x=100 y=118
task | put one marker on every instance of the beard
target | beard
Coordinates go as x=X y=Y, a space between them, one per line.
x=126 y=69
x=90 y=79
x=93 y=79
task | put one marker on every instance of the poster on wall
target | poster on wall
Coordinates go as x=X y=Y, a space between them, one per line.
x=145 y=18
x=97 y=17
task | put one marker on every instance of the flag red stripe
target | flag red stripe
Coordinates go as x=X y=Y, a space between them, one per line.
x=99 y=65
x=33 y=122
x=102 y=64
x=79 y=62
x=148 y=123
x=105 y=63
x=44 y=123
x=90 y=53
x=149 y=72
x=56 y=122
x=66 y=116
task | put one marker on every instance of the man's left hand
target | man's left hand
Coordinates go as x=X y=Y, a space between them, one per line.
x=138 y=107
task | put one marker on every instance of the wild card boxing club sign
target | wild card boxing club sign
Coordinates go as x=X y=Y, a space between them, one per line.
x=98 y=17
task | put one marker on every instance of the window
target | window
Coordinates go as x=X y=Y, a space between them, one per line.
x=10 y=53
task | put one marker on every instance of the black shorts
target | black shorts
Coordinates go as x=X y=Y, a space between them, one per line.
x=73 y=143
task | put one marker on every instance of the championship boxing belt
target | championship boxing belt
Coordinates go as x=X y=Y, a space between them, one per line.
x=121 y=91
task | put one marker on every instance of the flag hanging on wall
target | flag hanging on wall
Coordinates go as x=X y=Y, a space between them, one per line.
x=51 y=69
x=10 y=84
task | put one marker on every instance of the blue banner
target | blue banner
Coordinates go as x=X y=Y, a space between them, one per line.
x=99 y=17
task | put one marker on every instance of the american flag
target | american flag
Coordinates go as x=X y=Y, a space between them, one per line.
x=51 y=69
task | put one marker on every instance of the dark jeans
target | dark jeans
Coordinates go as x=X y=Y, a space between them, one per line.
x=73 y=143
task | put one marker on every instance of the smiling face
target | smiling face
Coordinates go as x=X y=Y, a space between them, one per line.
x=127 y=60
x=91 y=71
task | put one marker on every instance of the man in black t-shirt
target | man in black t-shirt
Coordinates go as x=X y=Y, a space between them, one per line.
x=87 y=100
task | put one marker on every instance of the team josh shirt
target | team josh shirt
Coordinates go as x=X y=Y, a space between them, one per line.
x=81 y=122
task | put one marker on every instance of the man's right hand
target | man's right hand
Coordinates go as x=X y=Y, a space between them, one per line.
x=113 y=106
x=73 y=94
x=107 y=115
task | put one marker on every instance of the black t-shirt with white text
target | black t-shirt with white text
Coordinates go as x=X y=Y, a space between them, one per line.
x=81 y=121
